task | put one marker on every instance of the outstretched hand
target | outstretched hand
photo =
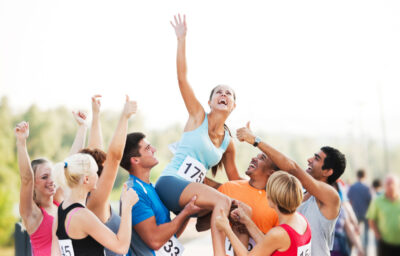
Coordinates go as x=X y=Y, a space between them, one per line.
x=179 y=26
x=96 y=104
x=245 y=134
x=130 y=107
x=80 y=117
x=22 y=131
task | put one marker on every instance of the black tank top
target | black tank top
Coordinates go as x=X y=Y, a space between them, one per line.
x=78 y=247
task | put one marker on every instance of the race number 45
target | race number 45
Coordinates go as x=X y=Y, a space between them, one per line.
x=66 y=247
x=304 y=250
x=192 y=170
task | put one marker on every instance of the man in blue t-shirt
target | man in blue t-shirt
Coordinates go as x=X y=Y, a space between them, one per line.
x=360 y=197
x=153 y=229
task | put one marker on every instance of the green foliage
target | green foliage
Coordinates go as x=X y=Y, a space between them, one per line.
x=8 y=174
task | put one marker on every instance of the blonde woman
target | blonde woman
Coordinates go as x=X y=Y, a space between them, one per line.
x=98 y=201
x=76 y=230
x=291 y=238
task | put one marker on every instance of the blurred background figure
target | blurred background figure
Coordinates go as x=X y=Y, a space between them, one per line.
x=376 y=187
x=346 y=228
x=384 y=218
x=360 y=197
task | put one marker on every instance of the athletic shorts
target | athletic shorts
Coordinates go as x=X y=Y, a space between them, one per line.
x=169 y=189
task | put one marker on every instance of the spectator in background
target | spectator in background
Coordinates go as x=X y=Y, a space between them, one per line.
x=376 y=187
x=360 y=197
x=346 y=233
x=384 y=218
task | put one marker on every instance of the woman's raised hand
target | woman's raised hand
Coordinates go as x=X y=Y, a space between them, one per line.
x=129 y=196
x=80 y=117
x=22 y=131
x=179 y=26
x=96 y=104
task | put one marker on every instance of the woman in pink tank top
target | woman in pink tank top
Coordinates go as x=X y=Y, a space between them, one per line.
x=291 y=238
x=37 y=206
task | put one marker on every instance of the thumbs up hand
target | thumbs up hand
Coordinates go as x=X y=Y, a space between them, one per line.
x=245 y=134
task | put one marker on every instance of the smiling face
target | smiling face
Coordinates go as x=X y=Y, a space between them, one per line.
x=222 y=99
x=44 y=184
x=315 y=164
x=259 y=164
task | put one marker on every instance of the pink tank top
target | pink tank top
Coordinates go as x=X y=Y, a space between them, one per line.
x=299 y=244
x=41 y=238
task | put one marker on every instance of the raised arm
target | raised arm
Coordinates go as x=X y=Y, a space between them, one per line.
x=155 y=235
x=95 y=135
x=98 y=200
x=325 y=193
x=80 y=136
x=55 y=248
x=118 y=243
x=193 y=106
x=29 y=211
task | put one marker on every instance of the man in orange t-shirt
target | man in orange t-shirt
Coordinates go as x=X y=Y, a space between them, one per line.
x=252 y=192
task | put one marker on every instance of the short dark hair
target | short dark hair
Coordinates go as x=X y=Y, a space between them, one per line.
x=376 y=183
x=98 y=155
x=334 y=160
x=131 y=149
x=360 y=173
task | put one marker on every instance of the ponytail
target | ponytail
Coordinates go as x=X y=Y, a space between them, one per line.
x=70 y=172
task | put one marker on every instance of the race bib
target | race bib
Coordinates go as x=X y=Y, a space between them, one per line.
x=229 y=247
x=171 y=248
x=304 y=250
x=66 y=247
x=192 y=170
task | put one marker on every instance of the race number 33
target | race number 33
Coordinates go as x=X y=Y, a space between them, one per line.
x=66 y=247
x=192 y=170
x=171 y=248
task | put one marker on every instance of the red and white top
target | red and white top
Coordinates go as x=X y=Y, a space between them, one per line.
x=300 y=245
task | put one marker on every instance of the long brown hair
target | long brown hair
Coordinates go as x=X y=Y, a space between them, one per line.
x=218 y=166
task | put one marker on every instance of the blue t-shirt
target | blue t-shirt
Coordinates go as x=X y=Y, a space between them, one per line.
x=360 y=198
x=149 y=205
x=198 y=145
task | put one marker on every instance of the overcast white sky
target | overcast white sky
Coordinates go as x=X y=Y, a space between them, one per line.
x=306 y=67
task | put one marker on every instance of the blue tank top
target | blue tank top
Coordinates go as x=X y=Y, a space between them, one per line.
x=198 y=145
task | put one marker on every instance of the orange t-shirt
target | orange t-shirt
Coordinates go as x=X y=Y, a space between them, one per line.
x=263 y=216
